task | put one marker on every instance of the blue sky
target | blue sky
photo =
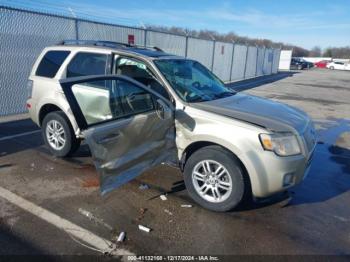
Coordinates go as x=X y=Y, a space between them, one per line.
x=306 y=23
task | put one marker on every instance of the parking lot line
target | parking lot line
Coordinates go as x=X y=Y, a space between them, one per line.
x=19 y=135
x=73 y=230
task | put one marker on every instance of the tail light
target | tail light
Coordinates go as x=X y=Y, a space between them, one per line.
x=29 y=88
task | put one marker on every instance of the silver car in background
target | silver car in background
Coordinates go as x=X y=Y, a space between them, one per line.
x=155 y=108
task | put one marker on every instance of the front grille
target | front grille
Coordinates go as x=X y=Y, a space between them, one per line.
x=310 y=137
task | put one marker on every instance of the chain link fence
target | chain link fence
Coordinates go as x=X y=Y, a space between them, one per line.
x=23 y=35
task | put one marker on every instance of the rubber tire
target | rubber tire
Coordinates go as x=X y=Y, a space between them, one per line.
x=300 y=67
x=232 y=165
x=72 y=143
x=331 y=68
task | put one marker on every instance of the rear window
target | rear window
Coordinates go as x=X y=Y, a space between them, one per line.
x=51 y=62
x=85 y=64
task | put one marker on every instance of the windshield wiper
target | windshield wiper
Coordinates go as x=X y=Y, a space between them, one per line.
x=225 y=94
x=197 y=99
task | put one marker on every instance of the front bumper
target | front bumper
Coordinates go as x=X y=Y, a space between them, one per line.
x=276 y=174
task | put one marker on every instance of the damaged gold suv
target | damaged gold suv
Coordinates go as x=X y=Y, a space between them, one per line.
x=138 y=107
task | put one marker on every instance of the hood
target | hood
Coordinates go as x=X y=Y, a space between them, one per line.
x=259 y=111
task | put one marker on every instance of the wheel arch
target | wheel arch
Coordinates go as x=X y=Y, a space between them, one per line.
x=195 y=146
x=46 y=109
x=49 y=107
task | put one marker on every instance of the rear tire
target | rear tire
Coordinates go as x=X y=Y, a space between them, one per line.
x=331 y=68
x=59 y=135
x=215 y=190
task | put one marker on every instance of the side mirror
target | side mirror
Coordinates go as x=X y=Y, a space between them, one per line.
x=163 y=110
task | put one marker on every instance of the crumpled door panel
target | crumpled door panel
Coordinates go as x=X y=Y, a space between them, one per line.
x=124 y=148
x=139 y=143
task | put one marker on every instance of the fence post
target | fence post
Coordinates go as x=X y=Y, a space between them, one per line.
x=76 y=28
x=186 y=46
x=264 y=60
x=213 y=56
x=246 y=61
x=257 y=60
x=233 y=53
x=145 y=38
x=273 y=58
x=279 y=58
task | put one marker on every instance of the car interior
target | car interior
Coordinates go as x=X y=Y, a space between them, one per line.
x=139 y=72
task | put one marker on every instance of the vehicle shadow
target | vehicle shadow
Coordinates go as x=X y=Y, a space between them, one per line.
x=329 y=175
x=21 y=135
x=255 y=82
x=328 y=178
x=178 y=189
x=11 y=245
x=18 y=135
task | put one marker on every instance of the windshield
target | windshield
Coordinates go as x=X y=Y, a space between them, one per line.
x=192 y=81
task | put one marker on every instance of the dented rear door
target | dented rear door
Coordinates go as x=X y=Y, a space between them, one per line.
x=128 y=127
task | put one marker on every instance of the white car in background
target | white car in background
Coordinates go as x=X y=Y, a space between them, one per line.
x=338 y=66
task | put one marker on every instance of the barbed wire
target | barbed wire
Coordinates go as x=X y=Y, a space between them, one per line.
x=73 y=11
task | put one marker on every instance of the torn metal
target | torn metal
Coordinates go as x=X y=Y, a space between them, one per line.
x=124 y=148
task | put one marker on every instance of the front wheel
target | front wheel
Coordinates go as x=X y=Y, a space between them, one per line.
x=59 y=135
x=214 y=179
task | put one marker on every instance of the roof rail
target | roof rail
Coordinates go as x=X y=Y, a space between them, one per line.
x=148 y=47
x=110 y=44
x=94 y=43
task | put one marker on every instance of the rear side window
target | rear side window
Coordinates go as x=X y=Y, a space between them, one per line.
x=85 y=64
x=51 y=62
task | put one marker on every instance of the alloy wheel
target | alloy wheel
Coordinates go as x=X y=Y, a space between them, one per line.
x=55 y=134
x=212 y=181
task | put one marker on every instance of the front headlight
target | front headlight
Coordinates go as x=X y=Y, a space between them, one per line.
x=283 y=144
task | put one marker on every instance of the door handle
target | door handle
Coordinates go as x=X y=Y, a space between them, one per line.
x=108 y=138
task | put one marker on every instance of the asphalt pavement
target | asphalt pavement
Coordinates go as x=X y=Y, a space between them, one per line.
x=315 y=221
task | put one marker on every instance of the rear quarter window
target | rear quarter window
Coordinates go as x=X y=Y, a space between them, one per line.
x=51 y=63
